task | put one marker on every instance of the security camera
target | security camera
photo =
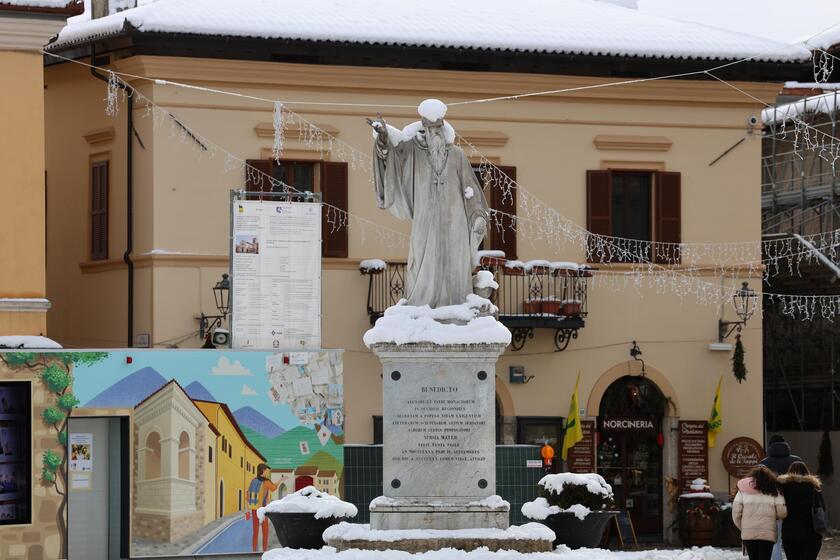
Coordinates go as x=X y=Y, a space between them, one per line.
x=752 y=121
x=221 y=337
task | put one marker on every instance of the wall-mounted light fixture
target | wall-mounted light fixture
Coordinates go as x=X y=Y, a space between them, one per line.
x=744 y=301
x=635 y=352
x=210 y=326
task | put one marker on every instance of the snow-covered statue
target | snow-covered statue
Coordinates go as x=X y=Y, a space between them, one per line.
x=420 y=175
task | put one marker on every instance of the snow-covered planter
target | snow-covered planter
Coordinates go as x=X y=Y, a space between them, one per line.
x=577 y=507
x=300 y=519
x=696 y=514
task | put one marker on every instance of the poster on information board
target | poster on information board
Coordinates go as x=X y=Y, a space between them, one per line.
x=276 y=271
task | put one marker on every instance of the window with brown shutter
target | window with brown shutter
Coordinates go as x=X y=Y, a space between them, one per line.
x=99 y=211
x=634 y=205
x=668 y=216
x=328 y=178
x=334 y=224
x=501 y=231
x=502 y=234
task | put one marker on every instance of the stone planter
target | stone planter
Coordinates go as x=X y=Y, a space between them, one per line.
x=576 y=533
x=300 y=530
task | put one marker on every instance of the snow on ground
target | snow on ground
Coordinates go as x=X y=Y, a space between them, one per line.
x=310 y=500
x=407 y=324
x=579 y=27
x=562 y=553
x=30 y=342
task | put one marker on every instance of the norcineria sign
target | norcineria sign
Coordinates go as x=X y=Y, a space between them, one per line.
x=628 y=423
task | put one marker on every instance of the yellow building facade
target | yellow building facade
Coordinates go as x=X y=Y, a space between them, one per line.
x=24 y=30
x=236 y=459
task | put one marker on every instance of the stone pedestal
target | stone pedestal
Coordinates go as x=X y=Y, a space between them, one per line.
x=439 y=441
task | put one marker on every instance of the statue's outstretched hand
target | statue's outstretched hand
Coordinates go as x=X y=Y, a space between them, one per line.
x=378 y=124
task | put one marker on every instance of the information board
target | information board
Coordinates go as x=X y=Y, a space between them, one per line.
x=693 y=452
x=581 y=457
x=276 y=275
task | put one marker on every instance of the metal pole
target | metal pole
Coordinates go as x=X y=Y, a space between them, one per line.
x=803 y=198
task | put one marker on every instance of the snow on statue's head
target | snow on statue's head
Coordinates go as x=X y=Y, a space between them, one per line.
x=432 y=111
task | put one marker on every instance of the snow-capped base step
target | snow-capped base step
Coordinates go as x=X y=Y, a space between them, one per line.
x=528 y=538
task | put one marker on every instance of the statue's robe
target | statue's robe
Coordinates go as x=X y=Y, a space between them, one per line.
x=447 y=226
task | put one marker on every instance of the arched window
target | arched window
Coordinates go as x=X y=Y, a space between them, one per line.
x=152 y=456
x=184 y=456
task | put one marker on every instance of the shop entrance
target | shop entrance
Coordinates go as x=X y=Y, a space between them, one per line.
x=630 y=449
x=98 y=485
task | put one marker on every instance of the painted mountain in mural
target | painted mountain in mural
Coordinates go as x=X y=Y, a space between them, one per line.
x=284 y=451
x=197 y=391
x=248 y=417
x=130 y=390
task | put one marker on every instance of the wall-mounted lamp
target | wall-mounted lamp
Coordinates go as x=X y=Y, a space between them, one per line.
x=744 y=301
x=635 y=352
x=210 y=326
x=517 y=375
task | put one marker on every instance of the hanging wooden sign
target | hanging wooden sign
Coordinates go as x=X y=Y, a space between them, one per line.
x=581 y=457
x=740 y=455
x=693 y=452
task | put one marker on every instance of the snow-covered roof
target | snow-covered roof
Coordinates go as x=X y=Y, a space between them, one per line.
x=825 y=40
x=826 y=103
x=545 y=26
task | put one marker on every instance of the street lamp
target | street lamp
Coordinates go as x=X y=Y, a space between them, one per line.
x=209 y=326
x=744 y=300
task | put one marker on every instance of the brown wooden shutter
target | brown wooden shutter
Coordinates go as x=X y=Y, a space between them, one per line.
x=599 y=207
x=502 y=229
x=99 y=211
x=668 y=216
x=334 y=223
x=257 y=176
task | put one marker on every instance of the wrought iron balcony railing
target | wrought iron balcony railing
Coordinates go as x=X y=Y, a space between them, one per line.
x=529 y=297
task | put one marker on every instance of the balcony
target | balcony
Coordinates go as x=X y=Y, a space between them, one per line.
x=531 y=296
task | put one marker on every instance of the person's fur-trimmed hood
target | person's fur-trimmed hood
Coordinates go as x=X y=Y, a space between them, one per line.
x=808 y=479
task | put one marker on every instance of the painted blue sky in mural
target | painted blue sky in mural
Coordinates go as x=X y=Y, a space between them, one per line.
x=237 y=378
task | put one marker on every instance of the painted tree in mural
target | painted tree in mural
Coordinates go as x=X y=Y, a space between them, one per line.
x=55 y=371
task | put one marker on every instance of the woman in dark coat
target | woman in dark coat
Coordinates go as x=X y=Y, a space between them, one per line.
x=801 y=491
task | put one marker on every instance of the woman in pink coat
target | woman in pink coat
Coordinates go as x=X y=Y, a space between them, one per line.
x=755 y=510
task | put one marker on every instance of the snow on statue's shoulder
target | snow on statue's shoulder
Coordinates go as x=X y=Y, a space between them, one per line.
x=471 y=322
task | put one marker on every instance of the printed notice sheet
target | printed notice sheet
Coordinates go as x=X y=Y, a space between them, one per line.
x=276 y=275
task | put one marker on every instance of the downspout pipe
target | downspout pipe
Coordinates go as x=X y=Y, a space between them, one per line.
x=129 y=192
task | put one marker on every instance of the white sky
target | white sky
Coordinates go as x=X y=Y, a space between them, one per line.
x=783 y=20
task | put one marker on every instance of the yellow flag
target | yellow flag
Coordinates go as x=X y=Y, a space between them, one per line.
x=574 y=432
x=715 y=419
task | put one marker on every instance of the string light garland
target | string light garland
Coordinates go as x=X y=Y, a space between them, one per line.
x=546 y=223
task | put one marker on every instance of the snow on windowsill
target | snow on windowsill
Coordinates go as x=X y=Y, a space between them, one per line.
x=28 y=342
x=373 y=264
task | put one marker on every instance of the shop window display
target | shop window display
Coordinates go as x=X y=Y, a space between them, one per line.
x=15 y=453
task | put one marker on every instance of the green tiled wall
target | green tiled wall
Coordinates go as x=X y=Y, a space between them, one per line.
x=514 y=481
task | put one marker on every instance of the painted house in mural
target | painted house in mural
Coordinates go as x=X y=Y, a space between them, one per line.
x=171 y=466
x=236 y=458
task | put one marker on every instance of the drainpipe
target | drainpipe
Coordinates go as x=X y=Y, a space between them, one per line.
x=129 y=188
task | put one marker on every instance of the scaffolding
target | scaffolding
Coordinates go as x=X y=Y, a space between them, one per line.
x=800 y=196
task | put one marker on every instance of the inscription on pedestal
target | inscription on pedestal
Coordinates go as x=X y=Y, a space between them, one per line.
x=439 y=428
